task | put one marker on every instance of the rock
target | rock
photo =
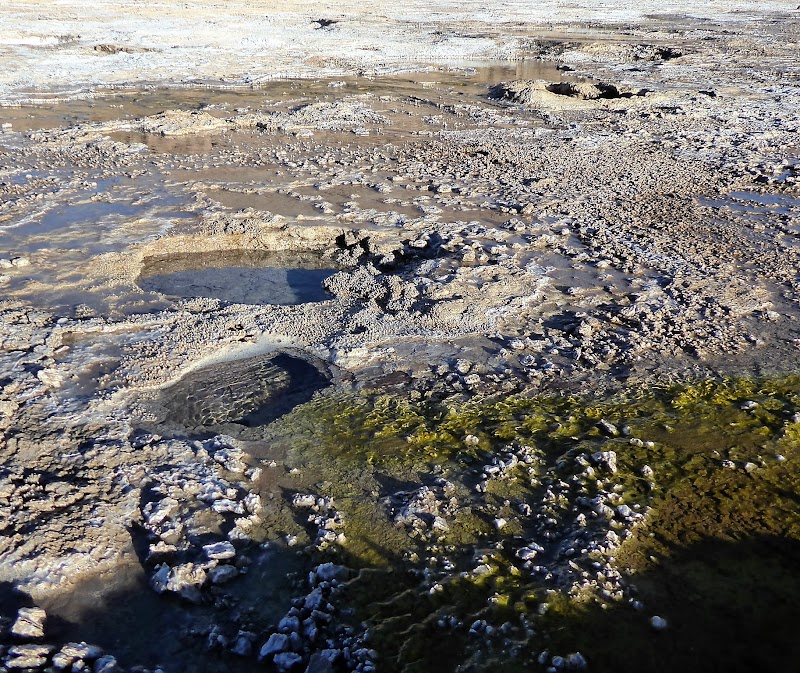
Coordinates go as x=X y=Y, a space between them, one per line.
x=607 y=459
x=304 y=500
x=624 y=511
x=161 y=551
x=326 y=572
x=220 y=551
x=289 y=624
x=243 y=646
x=73 y=652
x=231 y=459
x=30 y=623
x=319 y=664
x=184 y=580
x=222 y=574
x=28 y=656
x=158 y=582
x=105 y=664
x=277 y=642
x=576 y=662
x=285 y=661
x=608 y=427
x=658 y=623
x=314 y=600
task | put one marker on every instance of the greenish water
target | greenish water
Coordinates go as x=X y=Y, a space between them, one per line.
x=716 y=555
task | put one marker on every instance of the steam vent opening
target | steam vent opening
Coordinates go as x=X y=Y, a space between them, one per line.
x=240 y=276
x=248 y=393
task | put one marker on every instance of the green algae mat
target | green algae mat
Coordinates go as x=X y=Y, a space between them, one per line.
x=509 y=535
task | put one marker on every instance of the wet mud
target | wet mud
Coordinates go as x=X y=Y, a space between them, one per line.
x=320 y=374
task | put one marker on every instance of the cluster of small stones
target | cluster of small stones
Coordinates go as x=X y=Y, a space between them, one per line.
x=183 y=505
x=562 y=533
x=311 y=632
x=24 y=647
x=312 y=635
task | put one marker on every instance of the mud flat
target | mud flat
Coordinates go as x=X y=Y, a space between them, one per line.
x=477 y=341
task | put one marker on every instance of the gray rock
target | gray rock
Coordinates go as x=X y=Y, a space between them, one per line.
x=222 y=574
x=314 y=600
x=576 y=662
x=607 y=459
x=289 y=624
x=319 y=664
x=30 y=623
x=277 y=642
x=286 y=660
x=105 y=664
x=243 y=646
x=330 y=571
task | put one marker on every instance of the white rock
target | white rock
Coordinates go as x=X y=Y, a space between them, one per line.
x=30 y=623
x=27 y=656
x=219 y=551
x=304 y=500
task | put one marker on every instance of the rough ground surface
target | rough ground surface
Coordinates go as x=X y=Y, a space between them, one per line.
x=621 y=214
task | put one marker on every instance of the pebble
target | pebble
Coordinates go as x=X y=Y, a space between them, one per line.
x=658 y=623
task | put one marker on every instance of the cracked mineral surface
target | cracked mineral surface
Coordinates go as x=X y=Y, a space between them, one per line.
x=355 y=337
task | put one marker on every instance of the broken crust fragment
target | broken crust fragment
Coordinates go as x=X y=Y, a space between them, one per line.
x=542 y=92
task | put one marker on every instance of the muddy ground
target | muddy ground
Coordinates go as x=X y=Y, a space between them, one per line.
x=614 y=211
